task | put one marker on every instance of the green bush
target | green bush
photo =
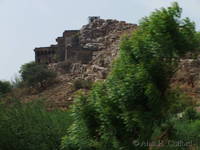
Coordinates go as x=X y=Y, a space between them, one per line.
x=31 y=127
x=179 y=101
x=191 y=114
x=178 y=134
x=82 y=84
x=187 y=131
x=5 y=87
x=37 y=75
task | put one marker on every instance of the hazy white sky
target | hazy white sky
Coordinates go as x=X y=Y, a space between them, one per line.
x=26 y=24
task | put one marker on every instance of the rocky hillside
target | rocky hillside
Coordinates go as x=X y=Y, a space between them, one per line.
x=187 y=78
x=102 y=36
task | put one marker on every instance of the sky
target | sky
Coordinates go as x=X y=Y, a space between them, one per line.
x=26 y=24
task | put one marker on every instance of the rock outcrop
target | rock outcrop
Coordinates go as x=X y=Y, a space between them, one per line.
x=187 y=77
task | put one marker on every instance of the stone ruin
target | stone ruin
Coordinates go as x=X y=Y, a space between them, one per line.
x=81 y=46
x=67 y=47
x=91 y=51
x=85 y=54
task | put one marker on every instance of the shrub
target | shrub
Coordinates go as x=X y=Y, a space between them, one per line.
x=82 y=84
x=30 y=127
x=187 y=131
x=178 y=134
x=37 y=75
x=5 y=87
x=179 y=101
x=191 y=114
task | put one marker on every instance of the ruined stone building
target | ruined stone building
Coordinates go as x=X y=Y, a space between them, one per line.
x=81 y=45
x=85 y=54
x=67 y=47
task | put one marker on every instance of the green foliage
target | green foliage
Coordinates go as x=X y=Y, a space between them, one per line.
x=80 y=135
x=31 y=127
x=136 y=97
x=82 y=84
x=198 y=38
x=37 y=75
x=5 y=87
x=191 y=114
x=187 y=131
x=179 y=102
x=171 y=35
x=179 y=134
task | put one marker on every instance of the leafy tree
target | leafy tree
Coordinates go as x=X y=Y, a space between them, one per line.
x=136 y=96
x=37 y=75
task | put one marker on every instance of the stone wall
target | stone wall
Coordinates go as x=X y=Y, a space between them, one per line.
x=82 y=46
x=93 y=49
x=45 y=55
x=60 y=54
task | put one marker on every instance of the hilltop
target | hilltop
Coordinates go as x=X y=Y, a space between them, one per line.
x=82 y=54
x=87 y=54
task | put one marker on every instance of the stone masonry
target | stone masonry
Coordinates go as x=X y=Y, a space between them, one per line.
x=81 y=46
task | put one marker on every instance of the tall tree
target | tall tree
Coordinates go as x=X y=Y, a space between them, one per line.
x=120 y=113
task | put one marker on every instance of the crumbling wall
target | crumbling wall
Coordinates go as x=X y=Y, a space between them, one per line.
x=86 y=44
x=92 y=51
x=45 y=55
x=60 y=53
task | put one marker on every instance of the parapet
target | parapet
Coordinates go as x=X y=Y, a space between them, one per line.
x=39 y=49
x=70 y=32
